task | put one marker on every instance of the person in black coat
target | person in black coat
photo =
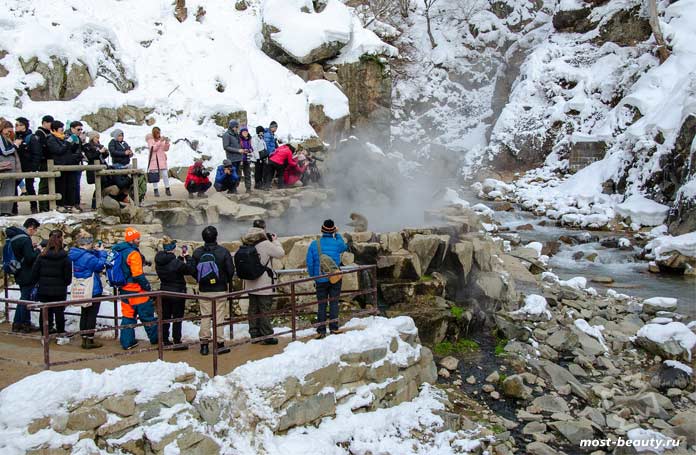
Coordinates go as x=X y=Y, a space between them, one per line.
x=172 y=272
x=52 y=272
x=64 y=152
x=119 y=150
x=39 y=149
x=26 y=254
x=29 y=149
x=94 y=151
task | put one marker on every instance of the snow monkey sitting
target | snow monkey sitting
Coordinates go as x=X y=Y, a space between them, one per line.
x=359 y=222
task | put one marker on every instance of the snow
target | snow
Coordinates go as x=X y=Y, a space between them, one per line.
x=363 y=42
x=534 y=305
x=452 y=197
x=536 y=246
x=684 y=244
x=642 y=210
x=666 y=303
x=674 y=331
x=327 y=94
x=577 y=282
x=680 y=366
x=648 y=440
x=595 y=331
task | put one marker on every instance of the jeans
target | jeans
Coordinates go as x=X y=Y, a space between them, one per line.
x=260 y=327
x=258 y=173
x=146 y=313
x=88 y=318
x=331 y=292
x=77 y=178
x=172 y=308
x=22 y=314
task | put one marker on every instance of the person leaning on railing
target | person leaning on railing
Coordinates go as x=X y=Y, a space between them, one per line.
x=95 y=151
x=64 y=152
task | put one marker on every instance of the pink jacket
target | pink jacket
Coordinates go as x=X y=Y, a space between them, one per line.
x=159 y=154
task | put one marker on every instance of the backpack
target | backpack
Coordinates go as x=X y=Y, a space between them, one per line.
x=247 y=262
x=10 y=263
x=208 y=270
x=115 y=270
x=328 y=265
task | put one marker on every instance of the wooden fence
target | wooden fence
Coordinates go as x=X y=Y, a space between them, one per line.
x=55 y=171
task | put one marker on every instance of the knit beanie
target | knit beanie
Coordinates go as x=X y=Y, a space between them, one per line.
x=115 y=133
x=132 y=234
x=273 y=124
x=233 y=123
x=260 y=129
x=168 y=244
x=328 y=227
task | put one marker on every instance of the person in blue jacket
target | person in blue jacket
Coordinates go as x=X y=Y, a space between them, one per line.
x=88 y=261
x=226 y=177
x=332 y=245
x=270 y=139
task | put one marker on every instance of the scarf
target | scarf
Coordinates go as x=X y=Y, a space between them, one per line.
x=60 y=136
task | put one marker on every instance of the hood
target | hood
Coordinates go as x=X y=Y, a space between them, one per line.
x=163 y=258
x=254 y=236
x=23 y=134
x=13 y=231
x=122 y=246
x=56 y=255
x=76 y=253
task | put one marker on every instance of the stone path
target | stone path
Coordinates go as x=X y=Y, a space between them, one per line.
x=23 y=356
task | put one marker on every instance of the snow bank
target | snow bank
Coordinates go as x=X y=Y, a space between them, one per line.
x=650 y=441
x=327 y=94
x=534 y=305
x=642 y=210
x=578 y=283
x=662 y=303
x=684 y=244
x=674 y=331
x=363 y=42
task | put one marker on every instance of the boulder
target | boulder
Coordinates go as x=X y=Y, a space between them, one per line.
x=365 y=253
x=391 y=242
x=223 y=119
x=300 y=413
x=573 y=20
x=551 y=404
x=670 y=341
x=425 y=247
x=402 y=265
x=465 y=254
x=671 y=377
x=86 y=419
x=450 y=363
x=513 y=386
x=575 y=431
x=495 y=286
x=297 y=256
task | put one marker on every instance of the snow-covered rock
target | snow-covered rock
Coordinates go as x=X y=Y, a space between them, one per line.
x=534 y=306
x=673 y=341
x=655 y=304
x=642 y=210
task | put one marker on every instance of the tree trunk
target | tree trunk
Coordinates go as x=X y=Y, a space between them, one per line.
x=430 y=33
x=662 y=50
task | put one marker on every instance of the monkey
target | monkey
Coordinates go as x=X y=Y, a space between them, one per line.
x=358 y=222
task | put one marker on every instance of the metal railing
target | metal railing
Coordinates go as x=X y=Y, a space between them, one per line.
x=294 y=311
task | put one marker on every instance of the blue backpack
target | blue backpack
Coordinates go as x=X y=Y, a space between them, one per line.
x=10 y=263
x=208 y=271
x=115 y=272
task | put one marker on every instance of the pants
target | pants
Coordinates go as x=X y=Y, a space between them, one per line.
x=22 y=314
x=8 y=187
x=205 y=334
x=77 y=176
x=226 y=185
x=88 y=318
x=56 y=314
x=43 y=189
x=260 y=327
x=65 y=186
x=172 y=308
x=331 y=292
x=198 y=187
x=274 y=170
x=31 y=191
x=164 y=175
x=245 y=168
x=146 y=313
x=259 y=168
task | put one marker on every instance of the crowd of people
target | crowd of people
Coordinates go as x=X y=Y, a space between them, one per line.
x=256 y=159
x=45 y=272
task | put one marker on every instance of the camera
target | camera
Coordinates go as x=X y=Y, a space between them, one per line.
x=202 y=172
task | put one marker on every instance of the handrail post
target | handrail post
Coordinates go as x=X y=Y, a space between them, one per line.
x=115 y=313
x=97 y=187
x=136 y=182
x=215 y=350
x=293 y=308
x=51 y=185
x=46 y=339
x=160 y=343
x=5 y=285
x=230 y=313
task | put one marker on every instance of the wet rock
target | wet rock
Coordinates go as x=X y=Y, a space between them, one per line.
x=669 y=377
x=550 y=404
x=551 y=248
x=525 y=227
x=573 y=20
x=513 y=386
x=578 y=255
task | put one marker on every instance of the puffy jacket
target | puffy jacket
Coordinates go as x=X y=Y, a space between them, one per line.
x=158 y=157
x=293 y=172
x=29 y=151
x=53 y=273
x=172 y=270
x=223 y=259
x=93 y=152
x=220 y=176
x=134 y=260
x=257 y=145
x=117 y=150
x=271 y=142
x=25 y=252
x=283 y=156
x=191 y=176
x=332 y=246
x=62 y=151
x=230 y=142
x=39 y=148
x=88 y=263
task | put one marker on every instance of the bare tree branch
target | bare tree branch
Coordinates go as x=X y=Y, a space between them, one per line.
x=428 y=5
x=662 y=50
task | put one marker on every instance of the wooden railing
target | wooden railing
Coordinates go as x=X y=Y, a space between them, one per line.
x=55 y=171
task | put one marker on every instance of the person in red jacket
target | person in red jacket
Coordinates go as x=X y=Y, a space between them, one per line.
x=293 y=173
x=278 y=161
x=197 y=179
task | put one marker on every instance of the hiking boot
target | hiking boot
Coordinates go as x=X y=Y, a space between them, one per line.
x=89 y=343
x=180 y=348
x=168 y=191
x=19 y=328
x=270 y=341
x=202 y=195
x=321 y=335
x=132 y=346
x=77 y=209
x=191 y=195
x=204 y=349
x=156 y=192
x=167 y=343
x=221 y=349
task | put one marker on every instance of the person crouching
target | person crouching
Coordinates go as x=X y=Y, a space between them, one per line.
x=197 y=181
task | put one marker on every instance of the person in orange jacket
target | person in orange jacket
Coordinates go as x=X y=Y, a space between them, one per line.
x=136 y=282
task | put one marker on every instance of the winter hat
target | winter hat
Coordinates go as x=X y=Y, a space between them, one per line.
x=132 y=234
x=273 y=124
x=226 y=163
x=232 y=124
x=92 y=134
x=23 y=121
x=328 y=227
x=253 y=236
x=168 y=244
x=84 y=238
x=115 y=133
x=260 y=129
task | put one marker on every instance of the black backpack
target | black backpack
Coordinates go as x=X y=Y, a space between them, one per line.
x=247 y=262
